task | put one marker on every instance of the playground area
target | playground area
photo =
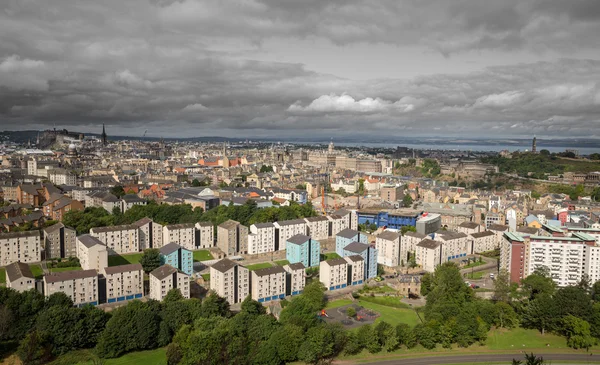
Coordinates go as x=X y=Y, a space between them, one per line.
x=340 y=315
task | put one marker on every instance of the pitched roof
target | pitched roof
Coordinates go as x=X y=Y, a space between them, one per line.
x=297 y=266
x=230 y=224
x=269 y=271
x=298 y=239
x=348 y=233
x=355 y=258
x=125 y=227
x=54 y=227
x=264 y=225
x=123 y=268
x=389 y=235
x=19 y=234
x=163 y=271
x=482 y=234
x=18 y=270
x=89 y=241
x=431 y=244
x=498 y=227
x=142 y=222
x=169 y=248
x=336 y=262
x=471 y=225
x=224 y=265
x=69 y=275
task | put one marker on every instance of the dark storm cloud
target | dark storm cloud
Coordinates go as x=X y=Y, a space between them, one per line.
x=181 y=63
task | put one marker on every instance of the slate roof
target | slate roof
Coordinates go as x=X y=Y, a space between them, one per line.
x=18 y=270
x=224 y=265
x=123 y=268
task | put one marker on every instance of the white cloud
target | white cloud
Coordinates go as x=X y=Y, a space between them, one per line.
x=345 y=103
x=194 y=108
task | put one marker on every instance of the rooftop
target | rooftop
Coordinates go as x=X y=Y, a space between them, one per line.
x=18 y=270
x=224 y=265
x=89 y=241
x=430 y=244
x=69 y=275
x=163 y=272
x=123 y=268
x=269 y=271
x=298 y=239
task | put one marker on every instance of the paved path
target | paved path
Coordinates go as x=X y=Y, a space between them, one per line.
x=483 y=358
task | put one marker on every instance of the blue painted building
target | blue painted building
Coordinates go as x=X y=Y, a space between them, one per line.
x=346 y=237
x=302 y=248
x=392 y=219
x=178 y=257
x=368 y=253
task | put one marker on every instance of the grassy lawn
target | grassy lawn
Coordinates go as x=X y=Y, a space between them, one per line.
x=378 y=289
x=393 y=316
x=62 y=269
x=116 y=260
x=475 y=275
x=502 y=339
x=328 y=256
x=2 y=276
x=282 y=262
x=474 y=264
x=259 y=266
x=206 y=277
x=202 y=255
x=387 y=301
x=84 y=357
x=37 y=271
x=338 y=303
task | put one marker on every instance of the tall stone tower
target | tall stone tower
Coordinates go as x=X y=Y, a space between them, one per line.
x=225 y=158
x=104 y=139
x=533 y=145
x=331 y=147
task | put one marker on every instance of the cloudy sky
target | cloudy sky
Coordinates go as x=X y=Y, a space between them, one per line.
x=252 y=68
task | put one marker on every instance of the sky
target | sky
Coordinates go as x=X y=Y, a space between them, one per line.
x=301 y=68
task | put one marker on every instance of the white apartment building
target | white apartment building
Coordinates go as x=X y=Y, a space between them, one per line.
x=124 y=282
x=387 y=244
x=230 y=280
x=469 y=227
x=182 y=234
x=317 y=227
x=205 y=232
x=268 y=284
x=356 y=269
x=410 y=240
x=150 y=233
x=62 y=177
x=119 y=239
x=20 y=246
x=92 y=253
x=286 y=229
x=455 y=244
x=296 y=278
x=19 y=277
x=80 y=286
x=166 y=278
x=261 y=238
x=333 y=273
x=337 y=223
x=429 y=254
x=483 y=242
x=563 y=256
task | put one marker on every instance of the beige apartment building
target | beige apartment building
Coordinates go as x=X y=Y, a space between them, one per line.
x=80 y=286
x=387 y=244
x=333 y=273
x=296 y=278
x=205 y=232
x=19 y=277
x=124 y=282
x=92 y=253
x=455 y=244
x=182 y=234
x=317 y=227
x=166 y=278
x=429 y=254
x=59 y=241
x=410 y=240
x=286 y=229
x=356 y=269
x=337 y=223
x=232 y=238
x=20 y=247
x=150 y=234
x=268 y=284
x=391 y=193
x=230 y=280
x=261 y=238
x=118 y=239
x=469 y=227
x=483 y=242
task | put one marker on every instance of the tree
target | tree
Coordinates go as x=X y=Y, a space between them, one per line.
x=578 y=333
x=407 y=201
x=150 y=260
x=59 y=299
x=34 y=349
x=405 y=229
x=530 y=359
x=351 y=312
x=322 y=343
x=538 y=283
x=448 y=294
x=502 y=287
x=425 y=336
x=544 y=152
x=540 y=313
x=173 y=295
x=213 y=306
x=585 y=283
x=596 y=291
x=196 y=183
x=426 y=284
x=252 y=307
x=117 y=191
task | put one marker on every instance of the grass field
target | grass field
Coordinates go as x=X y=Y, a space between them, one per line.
x=338 y=303
x=378 y=289
x=474 y=264
x=202 y=255
x=328 y=256
x=282 y=262
x=2 y=276
x=206 y=277
x=387 y=301
x=475 y=275
x=393 y=316
x=37 y=271
x=116 y=260
x=502 y=339
x=63 y=269
x=84 y=357
x=259 y=266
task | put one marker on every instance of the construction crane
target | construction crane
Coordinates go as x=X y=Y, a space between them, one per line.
x=323 y=211
x=146 y=131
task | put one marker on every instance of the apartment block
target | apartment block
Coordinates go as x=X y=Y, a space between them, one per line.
x=268 y=284
x=261 y=238
x=129 y=201
x=92 y=253
x=205 y=235
x=19 y=277
x=20 y=247
x=333 y=273
x=469 y=227
x=455 y=244
x=295 y=278
x=230 y=280
x=232 y=238
x=124 y=282
x=286 y=229
x=391 y=193
x=356 y=269
x=150 y=233
x=411 y=239
x=317 y=227
x=166 y=278
x=303 y=249
x=80 y=286
x=336 y=224
x=118 y=239
x=483 y=242
x=389 y=249
x=346 y=237
x=59 y=241
x=429 y=254
x=182 y=234
x=368 y=253
x=178 y=257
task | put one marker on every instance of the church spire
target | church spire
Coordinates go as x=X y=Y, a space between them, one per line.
x=104 y=140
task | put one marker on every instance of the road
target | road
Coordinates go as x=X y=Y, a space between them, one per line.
x=491 y=358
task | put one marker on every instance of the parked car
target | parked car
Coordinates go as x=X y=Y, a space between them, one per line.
x=492 y=276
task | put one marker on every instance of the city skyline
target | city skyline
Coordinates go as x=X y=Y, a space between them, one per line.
x=267 y=69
